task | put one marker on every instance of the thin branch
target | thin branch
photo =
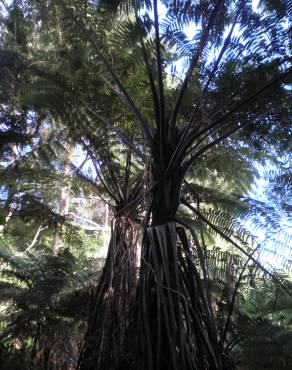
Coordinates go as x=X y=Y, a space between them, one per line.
x=35 y=239
x=94 y=226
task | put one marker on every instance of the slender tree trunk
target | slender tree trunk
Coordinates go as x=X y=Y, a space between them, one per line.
x=64 y=200
x=8 y=211
x=106 y=227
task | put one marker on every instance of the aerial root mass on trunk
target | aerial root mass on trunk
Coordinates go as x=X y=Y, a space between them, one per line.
x=177 y=326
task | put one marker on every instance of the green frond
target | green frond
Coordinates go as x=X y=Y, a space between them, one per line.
x=267 y=347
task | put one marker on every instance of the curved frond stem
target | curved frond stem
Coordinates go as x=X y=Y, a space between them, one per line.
x=113 y=177
x=162 y=123
x=228 y=123
x=208 y=146
x=177 y=151
x=98 y=174
x=193 y=63
x=237 y=246
x=150 y=78
x=195 y=135
x=201 y=251
x=230 y=311
x=144 y=126
x=135 y=201
x=198 y=154
x=127 y=174
x=123 y=138
x=215 y=67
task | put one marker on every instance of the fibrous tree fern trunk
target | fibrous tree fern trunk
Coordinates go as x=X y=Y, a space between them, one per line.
x=104 y=344
x=177 y=327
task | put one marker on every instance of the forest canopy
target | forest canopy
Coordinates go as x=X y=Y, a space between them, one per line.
x=145 y=185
